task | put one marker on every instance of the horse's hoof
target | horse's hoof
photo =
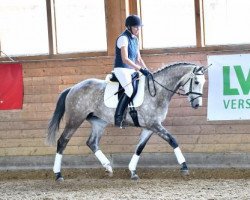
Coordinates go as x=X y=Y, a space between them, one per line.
x=184 y=169
x=110 y=174
x=59 y=177
x=134 y=176
x=109 y=170
x=184 y=172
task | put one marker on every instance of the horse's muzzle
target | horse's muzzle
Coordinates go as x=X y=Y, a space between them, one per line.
x=195 y=106
x=196 y=103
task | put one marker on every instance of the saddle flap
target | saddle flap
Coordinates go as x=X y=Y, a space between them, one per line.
x=111 y=96
x=111 y=77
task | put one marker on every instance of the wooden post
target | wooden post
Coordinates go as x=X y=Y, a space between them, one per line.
x=116 y=12
x=134 y=7
x=50 y=27
x=199 y=23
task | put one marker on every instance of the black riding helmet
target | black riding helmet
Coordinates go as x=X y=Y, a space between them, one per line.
x=133 y=20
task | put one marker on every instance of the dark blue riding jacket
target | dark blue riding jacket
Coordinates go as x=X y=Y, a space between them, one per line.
x=132 y=50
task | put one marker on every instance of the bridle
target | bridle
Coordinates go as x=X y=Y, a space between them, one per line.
x=196 y=72
x=191 y=79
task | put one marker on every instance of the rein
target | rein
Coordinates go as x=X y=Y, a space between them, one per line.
x=151 y=77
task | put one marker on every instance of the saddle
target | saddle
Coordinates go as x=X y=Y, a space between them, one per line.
x=114 y=90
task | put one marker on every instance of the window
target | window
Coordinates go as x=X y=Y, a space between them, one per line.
x=227 y=22
x=36 y=27
x=168 y=23
x=80 y=25
x=23 y=27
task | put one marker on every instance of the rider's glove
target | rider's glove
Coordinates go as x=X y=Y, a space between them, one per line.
x=145 y=72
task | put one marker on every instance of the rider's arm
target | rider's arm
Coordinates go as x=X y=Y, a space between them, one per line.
x=126 y=60
x=140 y=60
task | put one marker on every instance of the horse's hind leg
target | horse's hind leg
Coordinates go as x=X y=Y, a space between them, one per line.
x=144 y=137
x=163 y=133
x=61 y=145
x=98 y=126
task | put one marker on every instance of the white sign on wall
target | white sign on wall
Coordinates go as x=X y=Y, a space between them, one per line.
x=229 y=87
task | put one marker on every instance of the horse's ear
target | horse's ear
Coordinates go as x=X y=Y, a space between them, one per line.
x=205 y=68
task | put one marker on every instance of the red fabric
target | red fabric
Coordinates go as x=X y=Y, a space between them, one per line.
x=11 y=86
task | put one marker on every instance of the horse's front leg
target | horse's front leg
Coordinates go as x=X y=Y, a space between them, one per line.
x=166 y=135
x=144 y=137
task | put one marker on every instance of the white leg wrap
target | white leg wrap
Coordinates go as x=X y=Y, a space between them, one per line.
x=179 y=155
x=57 y=163
x=102 y=158
x=133 y=163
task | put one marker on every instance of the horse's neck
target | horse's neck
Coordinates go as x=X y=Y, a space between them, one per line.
x=170 y=79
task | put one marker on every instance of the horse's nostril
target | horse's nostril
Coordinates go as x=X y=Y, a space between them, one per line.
x=196 y=105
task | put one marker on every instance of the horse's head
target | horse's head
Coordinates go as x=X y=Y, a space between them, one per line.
x=193 y=86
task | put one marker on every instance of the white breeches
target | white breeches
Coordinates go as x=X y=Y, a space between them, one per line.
x=125 y=79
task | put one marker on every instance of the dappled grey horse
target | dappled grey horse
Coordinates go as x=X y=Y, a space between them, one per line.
x=85 y=101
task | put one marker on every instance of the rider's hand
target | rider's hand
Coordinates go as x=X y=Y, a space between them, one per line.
x=145 y=71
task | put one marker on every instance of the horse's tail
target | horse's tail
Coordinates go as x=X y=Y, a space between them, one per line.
x=57 y=117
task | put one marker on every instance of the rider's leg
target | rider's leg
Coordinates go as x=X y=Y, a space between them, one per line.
x=125 y=79
x=121 y=107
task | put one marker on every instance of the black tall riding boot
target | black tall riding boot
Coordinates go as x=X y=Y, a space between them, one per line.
x=122 y=105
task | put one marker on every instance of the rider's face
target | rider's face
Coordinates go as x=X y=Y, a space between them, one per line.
x=135 y=30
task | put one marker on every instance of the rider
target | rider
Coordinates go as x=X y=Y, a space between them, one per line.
x=127 y=61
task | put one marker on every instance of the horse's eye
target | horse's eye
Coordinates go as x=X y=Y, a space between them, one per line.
x=196 y=82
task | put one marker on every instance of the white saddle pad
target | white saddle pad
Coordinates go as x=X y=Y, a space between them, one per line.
x=111 y=100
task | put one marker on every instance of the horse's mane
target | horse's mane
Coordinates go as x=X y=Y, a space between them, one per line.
x=173 y=65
